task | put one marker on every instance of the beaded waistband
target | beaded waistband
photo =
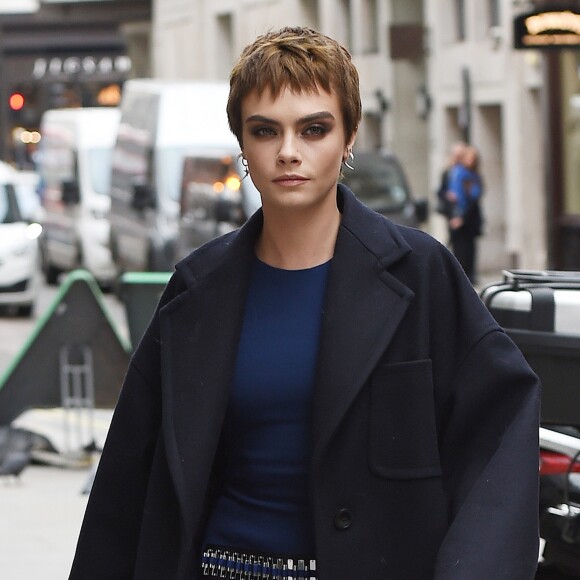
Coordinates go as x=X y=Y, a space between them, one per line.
x=221 y=562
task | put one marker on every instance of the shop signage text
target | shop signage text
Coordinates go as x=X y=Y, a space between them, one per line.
x=75 y=65
x=547 y=29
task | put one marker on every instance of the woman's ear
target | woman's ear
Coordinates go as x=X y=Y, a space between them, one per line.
x=349 y=146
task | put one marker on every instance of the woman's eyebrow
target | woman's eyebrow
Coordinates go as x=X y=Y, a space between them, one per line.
x=306 y=119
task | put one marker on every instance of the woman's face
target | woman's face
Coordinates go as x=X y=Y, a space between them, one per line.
x=469 y=158
x=294 y=145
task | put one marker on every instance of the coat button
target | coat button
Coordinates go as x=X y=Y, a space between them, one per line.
x=343 y=519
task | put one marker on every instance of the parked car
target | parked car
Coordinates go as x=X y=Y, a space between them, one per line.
x=379 y=181
x=161 y=122
x=214 y=200
x=19 y=232
x=74 y=162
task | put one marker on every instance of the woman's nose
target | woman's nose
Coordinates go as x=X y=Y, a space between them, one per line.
x=289 y=152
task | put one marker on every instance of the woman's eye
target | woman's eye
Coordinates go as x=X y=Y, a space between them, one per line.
x=263 y=131
x=316 y=130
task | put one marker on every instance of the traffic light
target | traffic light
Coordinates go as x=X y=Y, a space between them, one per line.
x=23 y=104
x=16 y=101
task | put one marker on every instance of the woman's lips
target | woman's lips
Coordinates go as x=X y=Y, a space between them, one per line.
x=290 y=180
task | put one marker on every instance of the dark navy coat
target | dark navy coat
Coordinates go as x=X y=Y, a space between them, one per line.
x=425 y=420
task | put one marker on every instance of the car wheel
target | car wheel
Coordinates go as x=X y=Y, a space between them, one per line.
x=81 y=258
x=152 y=260
x=50 y=272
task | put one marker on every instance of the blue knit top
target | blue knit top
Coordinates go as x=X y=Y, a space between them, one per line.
x=263 y=503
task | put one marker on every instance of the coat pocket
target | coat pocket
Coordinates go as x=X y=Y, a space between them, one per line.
x=403 y=434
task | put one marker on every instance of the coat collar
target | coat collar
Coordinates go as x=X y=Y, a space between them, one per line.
x=201 y=327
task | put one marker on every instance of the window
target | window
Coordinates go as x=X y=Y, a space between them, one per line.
x=370 y=26
x=370 y=132
x=9 y=211
x=487 y=22
x=460 y=29
x=224 y=45
x=494 y=13
x=310 y=10
x=344 y=30
x=378 y=181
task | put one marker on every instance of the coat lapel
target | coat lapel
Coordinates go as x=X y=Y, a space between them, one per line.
x=363 y=309
x=200 y=331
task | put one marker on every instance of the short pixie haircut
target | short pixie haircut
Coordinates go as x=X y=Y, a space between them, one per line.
x=301 y=59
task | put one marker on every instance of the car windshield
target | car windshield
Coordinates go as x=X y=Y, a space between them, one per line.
x=26 y=187
x=9 y=211
x=378 y=182
x=100 y=170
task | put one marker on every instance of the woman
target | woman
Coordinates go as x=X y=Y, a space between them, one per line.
x=320 y=394
x=445 y=197
x=465 y=222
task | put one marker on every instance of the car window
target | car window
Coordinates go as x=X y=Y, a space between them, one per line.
x=26 y=188
x=100 y=161
x=377 y=181
x=9 y=210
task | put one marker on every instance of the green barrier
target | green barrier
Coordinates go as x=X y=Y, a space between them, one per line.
x=77 y=319
x=140 y=293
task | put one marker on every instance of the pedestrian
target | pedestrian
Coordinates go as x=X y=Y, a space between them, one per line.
x=320 y=394
x=465 y=188
x=445 y=198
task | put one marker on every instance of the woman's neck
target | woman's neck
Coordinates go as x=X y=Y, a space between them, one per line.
x=296 y=241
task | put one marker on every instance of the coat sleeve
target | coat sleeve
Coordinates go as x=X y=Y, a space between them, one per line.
x=109 y=535
x=489 y=455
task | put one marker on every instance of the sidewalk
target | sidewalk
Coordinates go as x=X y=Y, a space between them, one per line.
x=40 y=522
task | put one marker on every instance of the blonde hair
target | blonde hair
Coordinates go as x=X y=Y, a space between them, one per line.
x=301 y=59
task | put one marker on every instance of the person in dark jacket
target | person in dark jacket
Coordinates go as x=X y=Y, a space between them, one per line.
x=460 y=194
x=321 y=393
x=445 y=198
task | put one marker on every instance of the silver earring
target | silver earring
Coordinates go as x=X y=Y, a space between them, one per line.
x=351 y=157
x=245 y=165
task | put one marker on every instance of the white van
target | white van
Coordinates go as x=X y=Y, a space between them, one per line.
x=74 y=163
x=161 y=122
